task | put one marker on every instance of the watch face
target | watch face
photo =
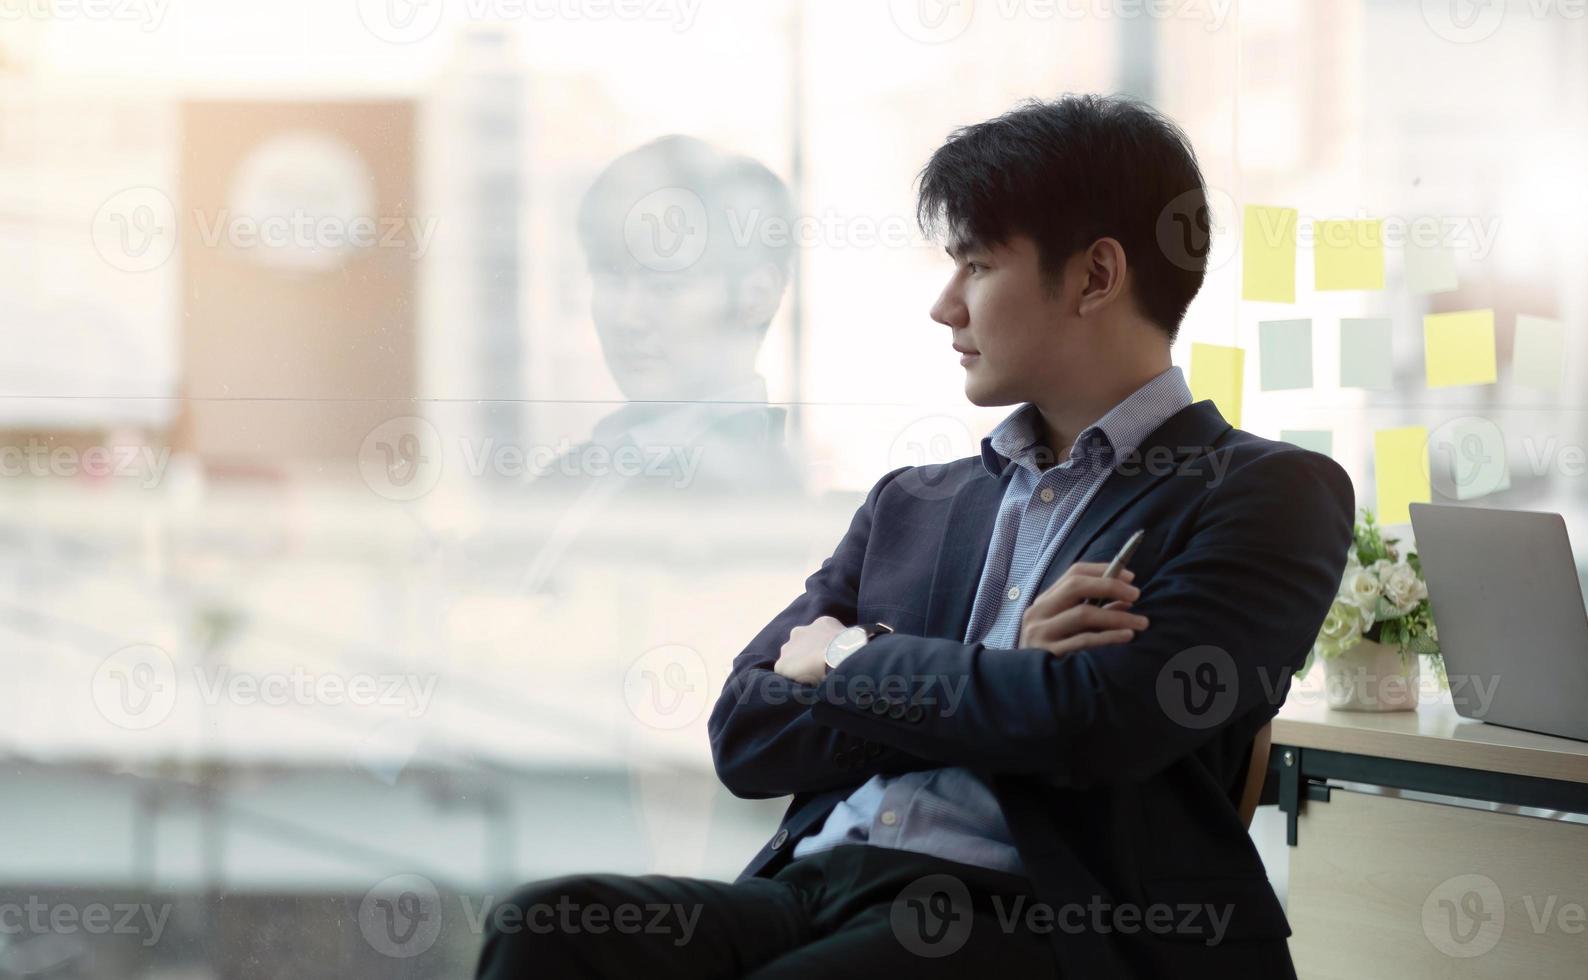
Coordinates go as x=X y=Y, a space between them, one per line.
x=849 y=640
x=842 y=645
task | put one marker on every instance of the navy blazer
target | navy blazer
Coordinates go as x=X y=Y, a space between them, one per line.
x=1115 y=766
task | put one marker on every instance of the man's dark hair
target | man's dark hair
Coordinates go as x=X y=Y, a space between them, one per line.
x=1068 y=172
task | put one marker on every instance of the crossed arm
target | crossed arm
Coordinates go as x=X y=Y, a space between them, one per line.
x=1232 y=616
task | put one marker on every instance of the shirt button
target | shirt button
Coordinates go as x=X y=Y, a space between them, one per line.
x=1046 y=495
x=889 y=818
x=1014 y=592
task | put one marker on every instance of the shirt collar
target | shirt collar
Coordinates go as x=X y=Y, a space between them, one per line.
x=1122 y=428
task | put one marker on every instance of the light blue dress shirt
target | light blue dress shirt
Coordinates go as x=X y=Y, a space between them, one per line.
x=950 y=812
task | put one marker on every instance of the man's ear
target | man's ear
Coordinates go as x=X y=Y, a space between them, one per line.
x=1103 y=272
x=759 y=293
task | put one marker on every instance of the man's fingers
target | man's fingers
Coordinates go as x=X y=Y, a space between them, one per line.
x=1085 y=568
x=1082 y=641
x=1082 y=618
x=1072 y=591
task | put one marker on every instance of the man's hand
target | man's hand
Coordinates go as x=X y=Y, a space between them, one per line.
x=1062 y=621
x=803 y=659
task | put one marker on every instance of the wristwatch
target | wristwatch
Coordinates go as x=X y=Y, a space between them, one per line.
x=840 y=647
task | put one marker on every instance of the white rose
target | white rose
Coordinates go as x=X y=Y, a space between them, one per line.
x=1403 y=589
x=1361 y=589
x=1381 y=568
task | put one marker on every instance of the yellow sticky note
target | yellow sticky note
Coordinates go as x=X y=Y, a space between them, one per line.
x=1217 y=373
x=1400 y=470
x=1268 y=254
x=1348 y=254
x=1459 y=348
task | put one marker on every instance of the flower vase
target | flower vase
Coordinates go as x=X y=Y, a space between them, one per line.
x=1371 y=676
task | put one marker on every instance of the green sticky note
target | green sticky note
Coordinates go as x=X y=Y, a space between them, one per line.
x=1285 y=354
x=1459 y=348
x=1317 y=440
x=1348 y=254
x=1475 y=449
x=1400 y=471
x=1539 y=358
x=1365 y=360
x=1430 y=268
x=1216 y=373
x=1268 y=254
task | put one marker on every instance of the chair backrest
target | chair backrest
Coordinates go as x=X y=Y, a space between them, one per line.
x=1256 y=774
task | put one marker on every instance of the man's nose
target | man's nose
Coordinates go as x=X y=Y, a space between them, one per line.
x=949 y=309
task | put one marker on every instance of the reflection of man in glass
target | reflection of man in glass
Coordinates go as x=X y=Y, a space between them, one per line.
x=688 y=251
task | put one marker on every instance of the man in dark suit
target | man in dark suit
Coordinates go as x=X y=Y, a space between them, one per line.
x=997 y=756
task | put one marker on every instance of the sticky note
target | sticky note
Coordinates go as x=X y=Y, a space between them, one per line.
x=1216 y=373
x=1348 y=254
x=1475 y=450
x=1400 y=471
x=1430 y=268
x=1538 y=359
x=1317 y=440
x=1285 y=354
x=1268 y=254
x=1365 y=356
x=1459 y=348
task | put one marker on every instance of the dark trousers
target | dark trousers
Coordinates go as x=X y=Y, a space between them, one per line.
x=851 y=911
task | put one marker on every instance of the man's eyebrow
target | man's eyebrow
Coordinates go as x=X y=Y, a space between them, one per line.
x=958 y=249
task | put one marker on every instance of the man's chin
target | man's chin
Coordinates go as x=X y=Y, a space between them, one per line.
x=985 y=396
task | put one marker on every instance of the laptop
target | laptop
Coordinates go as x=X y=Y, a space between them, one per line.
x=1509 y=609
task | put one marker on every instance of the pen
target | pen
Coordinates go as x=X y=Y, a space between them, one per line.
x=1117 y=566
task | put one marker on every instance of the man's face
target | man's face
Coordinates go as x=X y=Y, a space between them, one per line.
x=997 y=305
x=665 y=335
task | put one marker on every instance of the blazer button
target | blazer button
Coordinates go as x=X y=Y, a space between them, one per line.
x=896 y=712
x=780 y=838
x=864 y=699
x=879 y=708
x=916 y=713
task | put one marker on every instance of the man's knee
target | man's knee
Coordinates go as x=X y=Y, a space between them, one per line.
x=539 y=924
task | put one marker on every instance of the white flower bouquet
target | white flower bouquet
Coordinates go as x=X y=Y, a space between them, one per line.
x=1383 y=597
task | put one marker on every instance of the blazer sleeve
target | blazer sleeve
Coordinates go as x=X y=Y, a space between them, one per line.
x=1232 y=615
x=764 y=740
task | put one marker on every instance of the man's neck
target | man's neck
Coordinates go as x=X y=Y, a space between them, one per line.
x=1063 y=421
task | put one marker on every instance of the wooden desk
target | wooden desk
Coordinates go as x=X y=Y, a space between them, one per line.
x=1386 y=886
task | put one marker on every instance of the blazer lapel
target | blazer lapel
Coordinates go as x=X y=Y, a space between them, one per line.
x=1187 y=434
x=967 y=535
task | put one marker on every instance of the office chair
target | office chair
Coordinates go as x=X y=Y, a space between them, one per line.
x=1256 y=774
